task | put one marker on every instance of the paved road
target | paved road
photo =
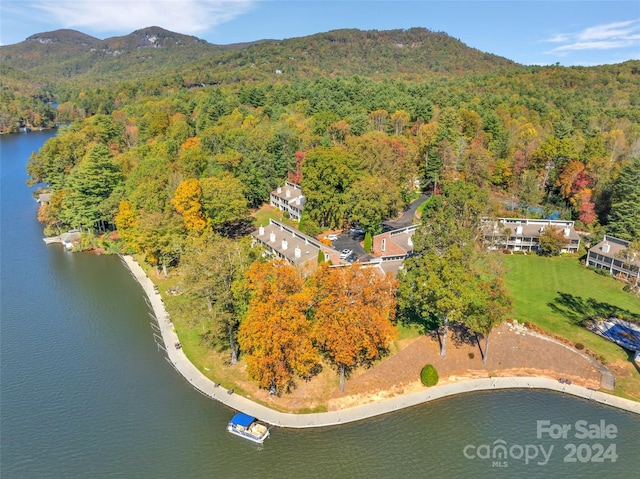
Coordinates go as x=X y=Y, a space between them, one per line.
x=407 y=216
x=199 y=381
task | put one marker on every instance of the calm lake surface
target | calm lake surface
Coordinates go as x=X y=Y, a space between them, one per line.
x=86 y=394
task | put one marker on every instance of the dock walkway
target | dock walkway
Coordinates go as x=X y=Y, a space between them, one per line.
x=207 y=387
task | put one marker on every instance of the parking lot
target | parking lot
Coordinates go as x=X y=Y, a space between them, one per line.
x=347 y=240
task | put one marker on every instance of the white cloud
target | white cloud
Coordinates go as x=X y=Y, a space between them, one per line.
x=605 y=45
x=600 y=37
x=183 y=16
x=559 y=38
x=611 y=30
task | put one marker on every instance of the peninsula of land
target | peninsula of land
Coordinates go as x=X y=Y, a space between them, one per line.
x=362 y=409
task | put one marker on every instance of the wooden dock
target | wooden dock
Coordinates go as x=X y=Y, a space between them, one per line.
x=52 y=240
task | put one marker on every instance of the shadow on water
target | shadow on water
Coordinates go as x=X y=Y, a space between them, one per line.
x=579 y=310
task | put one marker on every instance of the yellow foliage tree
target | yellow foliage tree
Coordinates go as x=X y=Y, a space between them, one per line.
x=126 y=223
x=187 y=201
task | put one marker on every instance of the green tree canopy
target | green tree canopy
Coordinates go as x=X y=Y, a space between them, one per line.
x=89 y=187
x=327 y=175
x=623 y=220
x=223 y=199
x=214 y=269
x=438 y=284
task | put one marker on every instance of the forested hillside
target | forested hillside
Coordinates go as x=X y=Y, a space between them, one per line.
x=153 y=60
x=172 y=162
x=360 y=130
x=552 y=134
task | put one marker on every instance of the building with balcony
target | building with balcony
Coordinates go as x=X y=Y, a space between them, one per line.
x=288 y=198
x=611 y=254
x=523 y=234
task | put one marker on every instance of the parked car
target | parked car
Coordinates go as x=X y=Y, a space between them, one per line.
x=345 y=253
x=357 y=231
x=332 y=237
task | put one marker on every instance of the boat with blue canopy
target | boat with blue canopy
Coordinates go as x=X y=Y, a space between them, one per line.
x=248 y=427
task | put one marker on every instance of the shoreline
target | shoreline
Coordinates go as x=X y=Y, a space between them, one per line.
x=204 y=385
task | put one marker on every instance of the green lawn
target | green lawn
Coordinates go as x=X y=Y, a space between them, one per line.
x=558 y=294
x=264 y=214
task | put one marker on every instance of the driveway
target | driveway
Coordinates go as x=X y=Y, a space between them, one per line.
x=407 y=216
x=352 y=241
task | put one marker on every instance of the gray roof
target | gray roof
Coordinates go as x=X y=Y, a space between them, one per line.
x=525 y=227
x=612 y=247
x=399 y=242
x=70 y=236
x=292 y=189
x=293 y=245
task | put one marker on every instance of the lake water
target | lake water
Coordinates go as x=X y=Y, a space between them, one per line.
x=86 y=394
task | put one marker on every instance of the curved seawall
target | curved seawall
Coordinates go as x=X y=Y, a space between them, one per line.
x=207 y=387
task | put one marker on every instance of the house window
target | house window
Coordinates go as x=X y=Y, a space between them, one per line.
x=384 y=244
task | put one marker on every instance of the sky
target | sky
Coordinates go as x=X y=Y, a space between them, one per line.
x=531 y=32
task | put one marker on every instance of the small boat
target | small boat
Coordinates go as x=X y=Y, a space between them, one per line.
x=248 y=427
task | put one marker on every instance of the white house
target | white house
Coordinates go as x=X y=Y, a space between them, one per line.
x=608 y=254
x=288 y=198
x=523 y=234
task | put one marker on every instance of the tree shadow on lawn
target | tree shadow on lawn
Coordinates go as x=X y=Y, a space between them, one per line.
x=579 y=310
x=458 y=334
x=236 y=229
x=631 y=357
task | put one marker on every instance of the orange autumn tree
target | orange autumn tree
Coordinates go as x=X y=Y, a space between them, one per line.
x=354 y=311
x=275 y=335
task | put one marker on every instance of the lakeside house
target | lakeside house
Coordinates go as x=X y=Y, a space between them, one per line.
x=300 y=250
x=610 y=254
x=288 y=198
x=391 y=248
x=523 y=234
x=284 y=242
x=70 y=238
x=395 y=244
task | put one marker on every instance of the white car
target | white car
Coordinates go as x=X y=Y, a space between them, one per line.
x=345 y=253
x=332 y=237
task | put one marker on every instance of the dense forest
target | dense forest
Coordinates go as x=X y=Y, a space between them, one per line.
x=173 y=159
x=552 y=137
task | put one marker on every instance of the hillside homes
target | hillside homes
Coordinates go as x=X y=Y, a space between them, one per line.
x=523 y=234
x=288 y=198
x=609 y=254
x=391 y=248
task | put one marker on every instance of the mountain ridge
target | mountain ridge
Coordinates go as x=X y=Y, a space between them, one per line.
x=416 y=51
